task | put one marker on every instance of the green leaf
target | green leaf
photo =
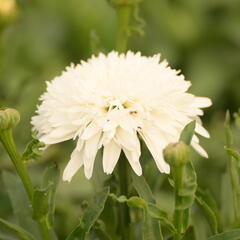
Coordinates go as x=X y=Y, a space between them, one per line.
x=18 y=231
x=142 y=188
x=185 y=184
x=209 y=213
x=90 y=216
x=231 y=235
x=157 y=213
x=50 y=181
x=40 y=204
x=100 y=230
x=233 y=153
x=151 y=227
x=189 y=186
x=228 y=132
x=34 y=149
x=19 y=202
x=187 y=133
x=152 y=210
x=237 y=119
x=189 y=235
x=135 y=202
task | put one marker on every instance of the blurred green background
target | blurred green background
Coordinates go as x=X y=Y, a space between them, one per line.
x=39 y=38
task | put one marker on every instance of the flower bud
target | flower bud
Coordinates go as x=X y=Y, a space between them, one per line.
x=9 y=118
x=177 y=154
x=8 y=10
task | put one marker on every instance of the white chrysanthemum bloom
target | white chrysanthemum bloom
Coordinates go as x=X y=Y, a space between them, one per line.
x=112 y=100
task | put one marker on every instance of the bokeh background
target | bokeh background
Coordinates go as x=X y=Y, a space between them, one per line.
x=39 y=38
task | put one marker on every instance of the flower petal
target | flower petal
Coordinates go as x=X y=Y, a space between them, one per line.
x=90 y=151
x=111 y=153
x=90 y=130
x=128 y=140
x=73 y=165
x=156 y=145
x=133 y=159
x=199 y=149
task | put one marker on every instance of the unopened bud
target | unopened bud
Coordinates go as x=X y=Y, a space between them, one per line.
x=177 y=154
x=9 y=118
x=8 y=10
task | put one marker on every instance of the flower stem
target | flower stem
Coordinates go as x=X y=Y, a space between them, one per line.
x=7 y=140
x=44 y=229
x=123 y=14
x=235 y=187
x=124 y=210
x=178 y=213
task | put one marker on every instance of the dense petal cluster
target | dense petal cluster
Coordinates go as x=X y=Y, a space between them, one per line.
x=112 y=101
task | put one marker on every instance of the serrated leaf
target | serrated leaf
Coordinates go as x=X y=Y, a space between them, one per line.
x=187 y=191
x=230 y=235
x=209 y=213
x=40 y=204
x=157 y=213
x=188 y=132
x=33 y=150
x=19 y=202
x=50 y=181
x=90 y=215
x=17 y=230
x=151 y=228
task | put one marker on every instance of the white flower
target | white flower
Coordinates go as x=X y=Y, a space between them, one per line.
x=112 y=100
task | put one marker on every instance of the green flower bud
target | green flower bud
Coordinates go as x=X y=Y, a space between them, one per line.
x=177 y=154
x=9 y=118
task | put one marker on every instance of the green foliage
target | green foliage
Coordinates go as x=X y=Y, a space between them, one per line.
x=90 y=215
x=50 y=182
x=19 y=202
x=20 y=232
x=187 y=133
x=210 y=213
x=199 y=37
x=229 y=235
x=151 y=227
x=34 y=150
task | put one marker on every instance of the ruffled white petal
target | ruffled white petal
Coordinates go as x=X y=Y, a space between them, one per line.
x=128 y=140
x=133 y=159
x=89 y=154
x=199 y=149
x=155 y=146
x=111 y=153
x=73 y=165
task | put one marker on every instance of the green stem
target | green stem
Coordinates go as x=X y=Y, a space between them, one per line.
x=7 y=140
x=124 y=215
x=178 y=213
x=124 y=14
x=44 y=229
x=235 y=186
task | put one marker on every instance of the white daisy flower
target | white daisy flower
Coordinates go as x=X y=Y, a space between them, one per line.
x=111 y=101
